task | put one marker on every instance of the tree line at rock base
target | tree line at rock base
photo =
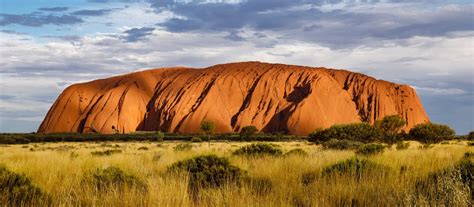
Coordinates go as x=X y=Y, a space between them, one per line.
x=388 y=130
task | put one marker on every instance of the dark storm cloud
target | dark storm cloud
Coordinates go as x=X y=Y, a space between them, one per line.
x=54 y=9
x=98 y=12
x=38 y=19
x=304 y=20
x=136 y=34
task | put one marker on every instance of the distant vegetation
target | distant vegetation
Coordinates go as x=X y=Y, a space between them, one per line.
x=346 y=136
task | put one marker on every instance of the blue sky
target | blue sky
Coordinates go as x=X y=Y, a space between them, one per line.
x=47 y=45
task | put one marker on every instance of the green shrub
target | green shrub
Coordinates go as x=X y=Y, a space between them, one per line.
x=296 y=152
x=182 y=147
x=259 y=149
x=18 y=190
x=341 y=144
x=106 y=152
x=470 y=136
x=431 y=133
x=196 y=139
x=402 y=145
x=447 y=187
x=425 y=146
x=356 y=168
x=259 y=185
x=207 y=127
x=370 y=149
x=113 y=178
x=160 y=136
x=390 y=127
x=207 y=171
x=361 y=132
x=247 y=132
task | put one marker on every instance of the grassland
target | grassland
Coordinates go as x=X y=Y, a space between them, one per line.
x=59 y=170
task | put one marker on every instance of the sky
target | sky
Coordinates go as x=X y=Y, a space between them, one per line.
x=47 y=45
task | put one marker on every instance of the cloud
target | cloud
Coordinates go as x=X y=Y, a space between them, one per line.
x=98 y=12
x=136 y=34
x=7 y=31
x=64 y=37
x=38 y=19
x=441 y=91
x=54 y=9
x=337 y=24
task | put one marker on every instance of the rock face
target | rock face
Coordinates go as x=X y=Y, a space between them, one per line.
x=272 y=97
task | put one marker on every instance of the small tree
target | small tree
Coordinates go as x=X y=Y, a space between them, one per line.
x=471 y=135
x=391 y=126
x=207 y=127
x=247 y=132
x=431 y=133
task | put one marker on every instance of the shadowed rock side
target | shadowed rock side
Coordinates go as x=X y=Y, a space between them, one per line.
x=272 y=97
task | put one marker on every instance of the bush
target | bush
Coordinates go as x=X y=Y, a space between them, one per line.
x=113 y=178
x=160 y=136
x=296 y=152
x=247 y=132
x=402 y=145
x=143 y=148
x=370 y=149
x=207 y=127
x=361 y=132
x=471 y=135
x=207 y=171
x=430 y=133
x=182 y=147
x=447 y=187
x=196 y=139
x=390 y=127
x=341 y=144
x=17 y=190
x=259 y=149
x=355 y=167
x=106 y=152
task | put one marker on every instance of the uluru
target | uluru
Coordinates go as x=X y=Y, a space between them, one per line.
x=276 y=98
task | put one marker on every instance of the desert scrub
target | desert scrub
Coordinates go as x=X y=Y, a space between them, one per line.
x=341 y=144
x=296 y=152
x=106 y=152
x=355 y=168
x=370 y=149
x=207 y=171
x=113 y=178
x=196 y=139
x=402 y=145
x=259 y=149
x=183 y=147
x=18 y=190
x=447 y=187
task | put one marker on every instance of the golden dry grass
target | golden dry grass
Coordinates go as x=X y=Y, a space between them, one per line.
x=59 y=168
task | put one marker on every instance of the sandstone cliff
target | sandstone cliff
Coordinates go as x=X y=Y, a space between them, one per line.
x=272 y=97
